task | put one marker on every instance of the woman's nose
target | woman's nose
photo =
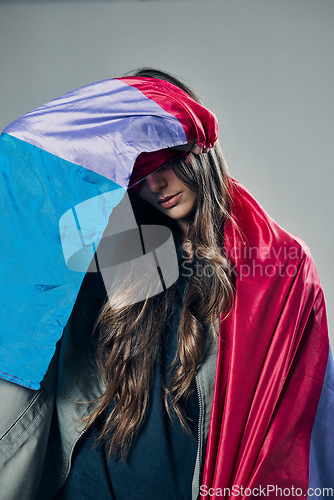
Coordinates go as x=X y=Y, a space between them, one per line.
x=156 y=181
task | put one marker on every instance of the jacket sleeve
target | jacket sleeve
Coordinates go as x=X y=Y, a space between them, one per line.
x=25 y=419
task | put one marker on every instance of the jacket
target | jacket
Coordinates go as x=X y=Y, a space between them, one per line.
x=41 y=431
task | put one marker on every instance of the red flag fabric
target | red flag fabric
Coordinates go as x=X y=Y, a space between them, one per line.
x=272 y=357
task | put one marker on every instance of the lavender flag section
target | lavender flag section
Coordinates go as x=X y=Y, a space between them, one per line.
x=102 y=127
x=321 y=476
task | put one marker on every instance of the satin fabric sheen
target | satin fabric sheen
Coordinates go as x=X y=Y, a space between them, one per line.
x=198 y=122
x=272 y=358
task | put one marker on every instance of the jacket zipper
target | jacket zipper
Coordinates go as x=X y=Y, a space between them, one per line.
x=199 y=437
x=70 y=458
x=200 y=403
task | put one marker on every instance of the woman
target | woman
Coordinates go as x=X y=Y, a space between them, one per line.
x=173 y=404
x=180 y=195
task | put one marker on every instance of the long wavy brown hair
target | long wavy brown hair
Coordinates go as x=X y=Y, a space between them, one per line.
x=129 y=335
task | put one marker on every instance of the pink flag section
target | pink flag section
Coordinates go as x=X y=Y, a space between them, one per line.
x=272 y=358
x=198 y=122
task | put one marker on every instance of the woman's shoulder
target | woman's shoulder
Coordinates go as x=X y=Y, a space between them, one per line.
x=252 y=229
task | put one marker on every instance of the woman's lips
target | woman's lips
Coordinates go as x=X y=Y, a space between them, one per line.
x=171 y=201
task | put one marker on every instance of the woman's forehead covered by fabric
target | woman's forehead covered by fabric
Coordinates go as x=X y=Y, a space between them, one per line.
x=199 y=124
x=147 y=163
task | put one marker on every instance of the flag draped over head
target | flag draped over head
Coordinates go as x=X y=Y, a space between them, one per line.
x=81 y=146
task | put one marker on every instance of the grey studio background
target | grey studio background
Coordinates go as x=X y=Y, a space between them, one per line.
x=265 y=67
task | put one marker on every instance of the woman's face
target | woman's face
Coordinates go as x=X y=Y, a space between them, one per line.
x=168 y=194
